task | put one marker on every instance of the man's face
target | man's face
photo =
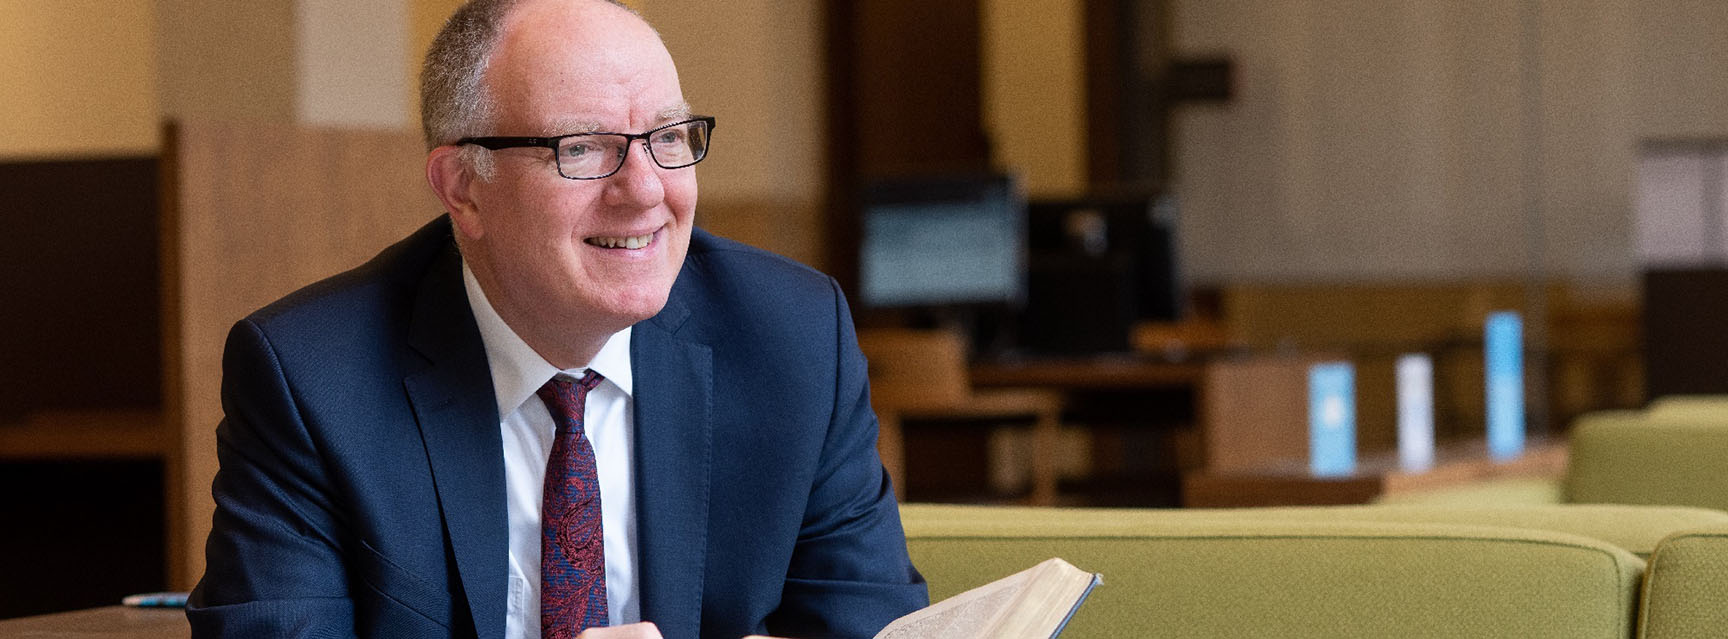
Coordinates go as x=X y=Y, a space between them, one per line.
x=555 y=247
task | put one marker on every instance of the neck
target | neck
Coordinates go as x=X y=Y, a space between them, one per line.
x=565 y=352
x=562 y=341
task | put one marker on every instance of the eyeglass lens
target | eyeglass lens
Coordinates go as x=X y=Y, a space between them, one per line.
x=599 y=154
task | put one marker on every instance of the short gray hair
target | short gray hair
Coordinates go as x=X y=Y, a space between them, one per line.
x=453 y=99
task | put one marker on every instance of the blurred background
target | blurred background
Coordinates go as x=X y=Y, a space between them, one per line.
x=1129 y=225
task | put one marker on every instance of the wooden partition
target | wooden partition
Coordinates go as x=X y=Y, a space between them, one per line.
x=1254 y=412
x=1373 y=315
x=251 y=213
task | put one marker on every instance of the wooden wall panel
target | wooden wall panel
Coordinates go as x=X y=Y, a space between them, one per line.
x=252 y=213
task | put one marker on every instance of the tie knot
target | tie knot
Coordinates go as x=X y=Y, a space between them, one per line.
x=566 y=397
x=589 y=380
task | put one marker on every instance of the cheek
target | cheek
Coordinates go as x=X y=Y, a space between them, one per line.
x=681 y=194
x=543 y=216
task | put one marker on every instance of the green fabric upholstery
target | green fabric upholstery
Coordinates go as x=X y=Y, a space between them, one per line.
x=1211 y=575
x=1675 y=453
x=1691 y=407
x=1635 y=529
x=1686 y=587
x=1629 y=458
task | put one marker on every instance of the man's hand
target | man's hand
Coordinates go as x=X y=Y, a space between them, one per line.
x=643 y=630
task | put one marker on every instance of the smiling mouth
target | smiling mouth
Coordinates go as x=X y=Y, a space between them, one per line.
x=630 y=242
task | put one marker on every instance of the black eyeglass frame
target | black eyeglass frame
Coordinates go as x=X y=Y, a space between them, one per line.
x=510 y=142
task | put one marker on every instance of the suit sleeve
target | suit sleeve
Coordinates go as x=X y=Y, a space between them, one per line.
x=274 y=556
x=850 y=574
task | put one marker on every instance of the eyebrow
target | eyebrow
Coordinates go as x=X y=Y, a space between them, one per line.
x=680 y=111
x=566 y=127
x=674 y=113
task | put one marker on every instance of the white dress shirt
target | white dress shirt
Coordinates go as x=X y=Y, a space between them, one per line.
x=608 y=422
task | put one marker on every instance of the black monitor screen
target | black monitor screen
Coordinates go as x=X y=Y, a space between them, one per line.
x=933 y=242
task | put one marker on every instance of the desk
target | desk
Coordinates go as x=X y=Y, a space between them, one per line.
x=1089 y=373
x=1140 y=439
x=112 y=622
x=1291 y=485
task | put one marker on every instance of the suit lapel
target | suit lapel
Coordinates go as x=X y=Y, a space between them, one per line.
x=453 y=401
x=674 y=398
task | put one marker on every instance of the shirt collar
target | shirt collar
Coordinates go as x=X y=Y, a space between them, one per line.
x=517 y=371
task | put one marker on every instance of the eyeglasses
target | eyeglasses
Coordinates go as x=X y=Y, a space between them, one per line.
x=591 y=156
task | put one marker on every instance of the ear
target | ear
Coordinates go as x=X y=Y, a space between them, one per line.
x=452 y=180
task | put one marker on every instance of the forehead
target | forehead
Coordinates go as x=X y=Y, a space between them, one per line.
x=562 y=61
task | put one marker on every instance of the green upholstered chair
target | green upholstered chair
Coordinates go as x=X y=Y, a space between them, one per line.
x=1675 y=453
x=1634 y=528
x=1686 y=587
x=1624 y=457
x=1693 y=407
x=1295 y=574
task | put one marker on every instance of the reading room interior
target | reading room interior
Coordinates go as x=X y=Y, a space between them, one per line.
x=1314 y=318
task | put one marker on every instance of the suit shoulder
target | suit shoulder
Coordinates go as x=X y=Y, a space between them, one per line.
x=740 y=290
x=716 y=256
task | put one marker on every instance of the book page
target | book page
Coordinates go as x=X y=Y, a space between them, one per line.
x=963 y=615
x=1050 y=596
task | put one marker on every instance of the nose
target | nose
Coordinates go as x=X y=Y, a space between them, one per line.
x=637 y=184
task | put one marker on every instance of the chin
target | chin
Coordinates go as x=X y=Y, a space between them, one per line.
x=636 y=306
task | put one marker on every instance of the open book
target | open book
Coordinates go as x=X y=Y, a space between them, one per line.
x=1031 y=604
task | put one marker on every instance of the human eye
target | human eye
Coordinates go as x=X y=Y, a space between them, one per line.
x=670 y=136
x=579 y=147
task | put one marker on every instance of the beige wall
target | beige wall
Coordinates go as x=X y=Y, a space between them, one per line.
x=226 y=60
x=349 y=58
x=1392 y=143
x=78 y=78
x=1035 y=92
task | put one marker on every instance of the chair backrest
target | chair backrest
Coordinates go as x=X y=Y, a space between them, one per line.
x=1684 y=586
x=1690 y=407
x=915 y=367
x=1209 y=577
x=1637 y=529
x=1629 y=457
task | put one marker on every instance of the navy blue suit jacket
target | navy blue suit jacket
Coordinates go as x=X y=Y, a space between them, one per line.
x=361 y=488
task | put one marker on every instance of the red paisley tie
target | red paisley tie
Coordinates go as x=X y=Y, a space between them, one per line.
x=572 y=557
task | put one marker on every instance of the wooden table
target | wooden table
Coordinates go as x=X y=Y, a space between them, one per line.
x=1081 y=380
x=112 y=622
x=1290 y=484
x=1090 y=373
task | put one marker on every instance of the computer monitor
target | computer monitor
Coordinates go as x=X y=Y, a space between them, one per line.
x=1099 y=264
x=935 y=242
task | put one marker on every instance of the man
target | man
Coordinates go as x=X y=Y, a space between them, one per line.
x=690 y=415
